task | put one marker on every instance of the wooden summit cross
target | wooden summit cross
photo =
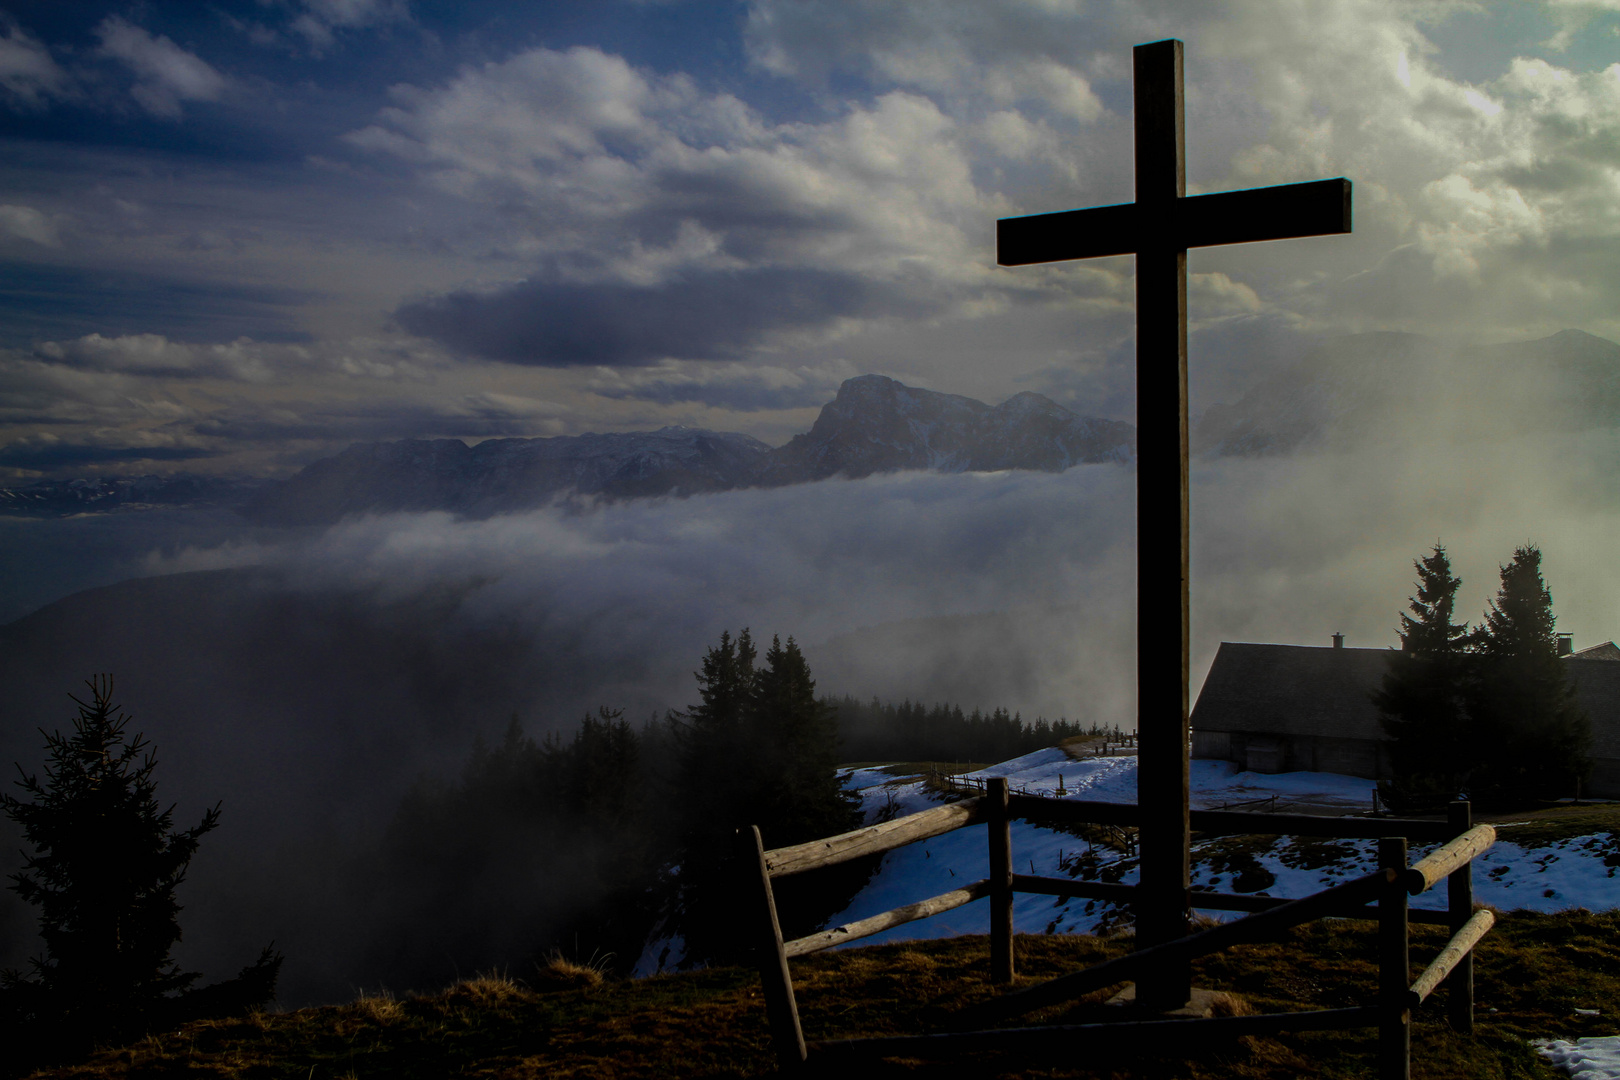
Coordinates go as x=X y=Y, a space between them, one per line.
x=1158 y=228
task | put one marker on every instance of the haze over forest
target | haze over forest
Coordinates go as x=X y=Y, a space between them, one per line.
x=236 y=239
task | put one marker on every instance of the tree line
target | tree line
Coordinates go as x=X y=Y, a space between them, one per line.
x=1487 y=711
x=875 y=731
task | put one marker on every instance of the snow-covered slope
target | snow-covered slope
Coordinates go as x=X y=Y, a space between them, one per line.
x=1578 y=871
x=1574 y=872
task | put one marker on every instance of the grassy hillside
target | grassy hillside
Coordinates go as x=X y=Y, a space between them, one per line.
x=1534 y=971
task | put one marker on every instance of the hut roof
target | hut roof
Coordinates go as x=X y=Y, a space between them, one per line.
x=1292 y=690
x=1309 y=690
x=1606 y=651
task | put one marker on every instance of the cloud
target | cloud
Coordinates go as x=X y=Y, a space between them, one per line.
x=46 y=453
x=40 y=300
x=645 y=176
x=29 y=77
x=738 y=386
x=1503 y=189
x=698 y=316
x=627 y=188
x=325 y=426
x=242 y=360
x=320 y=20
x=165 y=74
x=26 y=223
x=632 y=586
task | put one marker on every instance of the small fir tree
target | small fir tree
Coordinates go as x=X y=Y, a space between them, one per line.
x=106 y=863
x=1533 y=736
x=1428 y=630
x=1422 y=698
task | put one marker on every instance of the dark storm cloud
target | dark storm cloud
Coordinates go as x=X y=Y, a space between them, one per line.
x=702 y=314
x=43 y=301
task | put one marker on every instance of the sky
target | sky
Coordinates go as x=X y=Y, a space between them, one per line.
x=238 y=236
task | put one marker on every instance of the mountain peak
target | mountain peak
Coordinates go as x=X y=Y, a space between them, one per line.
x=877 y=424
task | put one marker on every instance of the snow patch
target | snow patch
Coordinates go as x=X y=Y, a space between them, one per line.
x=1591 y=1058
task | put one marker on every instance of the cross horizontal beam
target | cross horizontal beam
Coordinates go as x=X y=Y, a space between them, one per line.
x=1284 y=212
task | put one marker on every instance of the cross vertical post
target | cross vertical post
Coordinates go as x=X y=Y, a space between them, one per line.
x=1159 y=228
x=1161 y=517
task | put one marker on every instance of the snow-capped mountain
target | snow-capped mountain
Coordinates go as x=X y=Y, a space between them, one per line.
x=508 y=474
x=874 y=425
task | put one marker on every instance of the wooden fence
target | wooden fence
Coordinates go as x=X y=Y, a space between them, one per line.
x=1381 y=895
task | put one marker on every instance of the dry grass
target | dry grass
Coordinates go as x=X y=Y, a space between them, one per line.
x=495 y=991
x=557 y=972
x=379 y=1008
x=1534 y=971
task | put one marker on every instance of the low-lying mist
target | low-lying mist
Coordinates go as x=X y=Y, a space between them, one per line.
x=330 y=670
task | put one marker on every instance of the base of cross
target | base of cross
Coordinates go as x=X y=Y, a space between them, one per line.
x=1202 y=1005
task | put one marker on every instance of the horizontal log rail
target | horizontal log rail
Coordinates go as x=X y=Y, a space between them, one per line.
x=1206 y=901
x=1434 y=868
x=1063 y=1040
x=874 y=839
x=1452 y=955
x=862 y=928
x=1256 y=927
x=1065 y=887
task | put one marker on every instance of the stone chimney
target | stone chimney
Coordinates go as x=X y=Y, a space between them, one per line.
x=1338 y=641
x=1566 y=644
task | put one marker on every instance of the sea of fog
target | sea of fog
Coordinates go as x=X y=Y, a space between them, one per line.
x=1284 y=550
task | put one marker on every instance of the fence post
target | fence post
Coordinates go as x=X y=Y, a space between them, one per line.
x=1460 y=904
x=775 y=982
x=1001 y=875
x=1394 y=967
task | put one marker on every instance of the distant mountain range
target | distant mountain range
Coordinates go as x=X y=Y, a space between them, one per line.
x=874 y=425
x=1376 y=386
x=63 y=498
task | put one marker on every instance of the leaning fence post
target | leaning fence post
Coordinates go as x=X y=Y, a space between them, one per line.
x=1394 y=966
x=1001 y=879
x=775 y=982
x=1460 y=904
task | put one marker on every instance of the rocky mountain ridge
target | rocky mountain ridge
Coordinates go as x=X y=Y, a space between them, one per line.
x=873 y=425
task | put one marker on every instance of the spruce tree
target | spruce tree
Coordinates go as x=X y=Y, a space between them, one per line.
x=1422 y=698
x=758 y=749
x=106 y=863
x=799 y=743
x=1533 y=736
